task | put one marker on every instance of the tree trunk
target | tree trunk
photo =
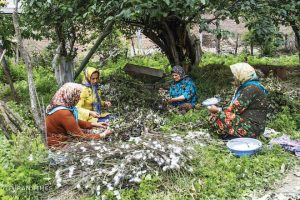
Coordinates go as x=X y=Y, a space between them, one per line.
x=132 y=44
x=219 y=37
x=63 y=68
x=107 y=30
x=17 y=55
x=10 y=123
x=251 y=49
x=38 y=119
x=236 y=44
x=175 y=40
x=286 y=42
x=296 y=30
x=7 y=73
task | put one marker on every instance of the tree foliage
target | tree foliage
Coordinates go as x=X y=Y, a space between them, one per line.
x=275 y=13
x=168 y=24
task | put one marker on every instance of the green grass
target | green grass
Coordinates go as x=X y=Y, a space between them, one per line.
x=217 y=174
x=24 y=172
x=227 y=60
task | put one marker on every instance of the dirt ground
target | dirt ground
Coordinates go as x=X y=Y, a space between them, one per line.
x=287 y=189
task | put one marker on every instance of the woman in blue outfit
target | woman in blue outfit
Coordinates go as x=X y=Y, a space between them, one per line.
x=182 y=90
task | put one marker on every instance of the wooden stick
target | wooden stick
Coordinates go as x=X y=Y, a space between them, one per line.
x=2 y=56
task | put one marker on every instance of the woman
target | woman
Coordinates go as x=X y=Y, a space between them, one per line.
x=182 y=90
x=62 y=123
x=246 y=114
x=90 y=105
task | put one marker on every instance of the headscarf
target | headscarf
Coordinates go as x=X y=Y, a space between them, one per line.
x=246 y=75
x=87 y=82
x=65 y=98
x=179 y=70
x=243 y=72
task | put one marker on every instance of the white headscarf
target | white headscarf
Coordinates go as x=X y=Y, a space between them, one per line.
x=243 y=72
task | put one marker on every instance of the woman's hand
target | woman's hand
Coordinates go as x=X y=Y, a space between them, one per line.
x=105 y=133
x=170 y=100
x=94 y=114
x=107 y=104
x=213 y=109
x=175 y=99
x=100 y=124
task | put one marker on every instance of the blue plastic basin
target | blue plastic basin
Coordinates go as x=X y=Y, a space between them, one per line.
x=244 y=146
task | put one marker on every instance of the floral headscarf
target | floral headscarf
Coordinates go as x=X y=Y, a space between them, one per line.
x=68 y=95
x=243 y=72
x=179 y=70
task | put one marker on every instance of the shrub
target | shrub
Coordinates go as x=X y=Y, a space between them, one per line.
x=23 y=167
x=285 y=122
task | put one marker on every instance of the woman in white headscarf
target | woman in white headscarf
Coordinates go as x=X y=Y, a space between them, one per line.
x=246 y=114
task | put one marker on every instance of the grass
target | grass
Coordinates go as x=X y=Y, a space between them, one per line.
x=284 y=60
x=217 y=174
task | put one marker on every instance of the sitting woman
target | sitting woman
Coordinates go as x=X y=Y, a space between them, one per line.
x=182 y=90
x=90 y=104
x=62 y=123
x=246 y=114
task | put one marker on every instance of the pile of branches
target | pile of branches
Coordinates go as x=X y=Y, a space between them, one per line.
x=10 y=121
x=127 y=94
x=95 y=166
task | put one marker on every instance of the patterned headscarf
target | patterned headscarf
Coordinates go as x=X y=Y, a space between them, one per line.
x=87 y=82
x=68 y=95
x=87 y=76
x=243 y=72
x=179 y=70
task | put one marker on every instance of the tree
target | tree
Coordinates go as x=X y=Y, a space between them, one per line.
x=65 y=23
x=264 y=34
x=6 y=48
x=281 y=12
x=287 y=12
x=168 y=24
x=37 y=114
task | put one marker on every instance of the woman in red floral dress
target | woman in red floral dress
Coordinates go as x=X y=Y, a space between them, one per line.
x=246 y=114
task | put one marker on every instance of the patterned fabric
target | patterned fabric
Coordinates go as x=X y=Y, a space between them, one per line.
x=68 y=96
x=89 y=99
x=242 y=86
x=185 y=87
x=87 y=82
x=246 y=117
x=179 y=70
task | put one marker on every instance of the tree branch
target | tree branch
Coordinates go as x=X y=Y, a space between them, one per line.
x=107 y=30
x=33 y=96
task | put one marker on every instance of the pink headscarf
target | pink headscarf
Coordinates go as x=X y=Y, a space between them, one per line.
x=68 y=95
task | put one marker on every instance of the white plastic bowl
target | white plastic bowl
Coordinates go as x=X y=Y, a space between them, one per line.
x=244 y=146
x=211 y=101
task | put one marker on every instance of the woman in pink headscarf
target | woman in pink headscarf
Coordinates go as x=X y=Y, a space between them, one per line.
x=62 y=123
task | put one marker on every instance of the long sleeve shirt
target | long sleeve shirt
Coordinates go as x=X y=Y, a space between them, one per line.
x=62 y=127
x=185 y=87
x=246 y=117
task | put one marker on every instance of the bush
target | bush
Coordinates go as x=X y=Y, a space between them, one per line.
x=211 y=80
x=23 y=167
x=284 y=122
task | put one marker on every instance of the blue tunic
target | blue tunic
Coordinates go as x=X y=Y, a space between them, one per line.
x=185 y=87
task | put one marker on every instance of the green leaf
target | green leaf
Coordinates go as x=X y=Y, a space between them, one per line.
x=167 y=2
